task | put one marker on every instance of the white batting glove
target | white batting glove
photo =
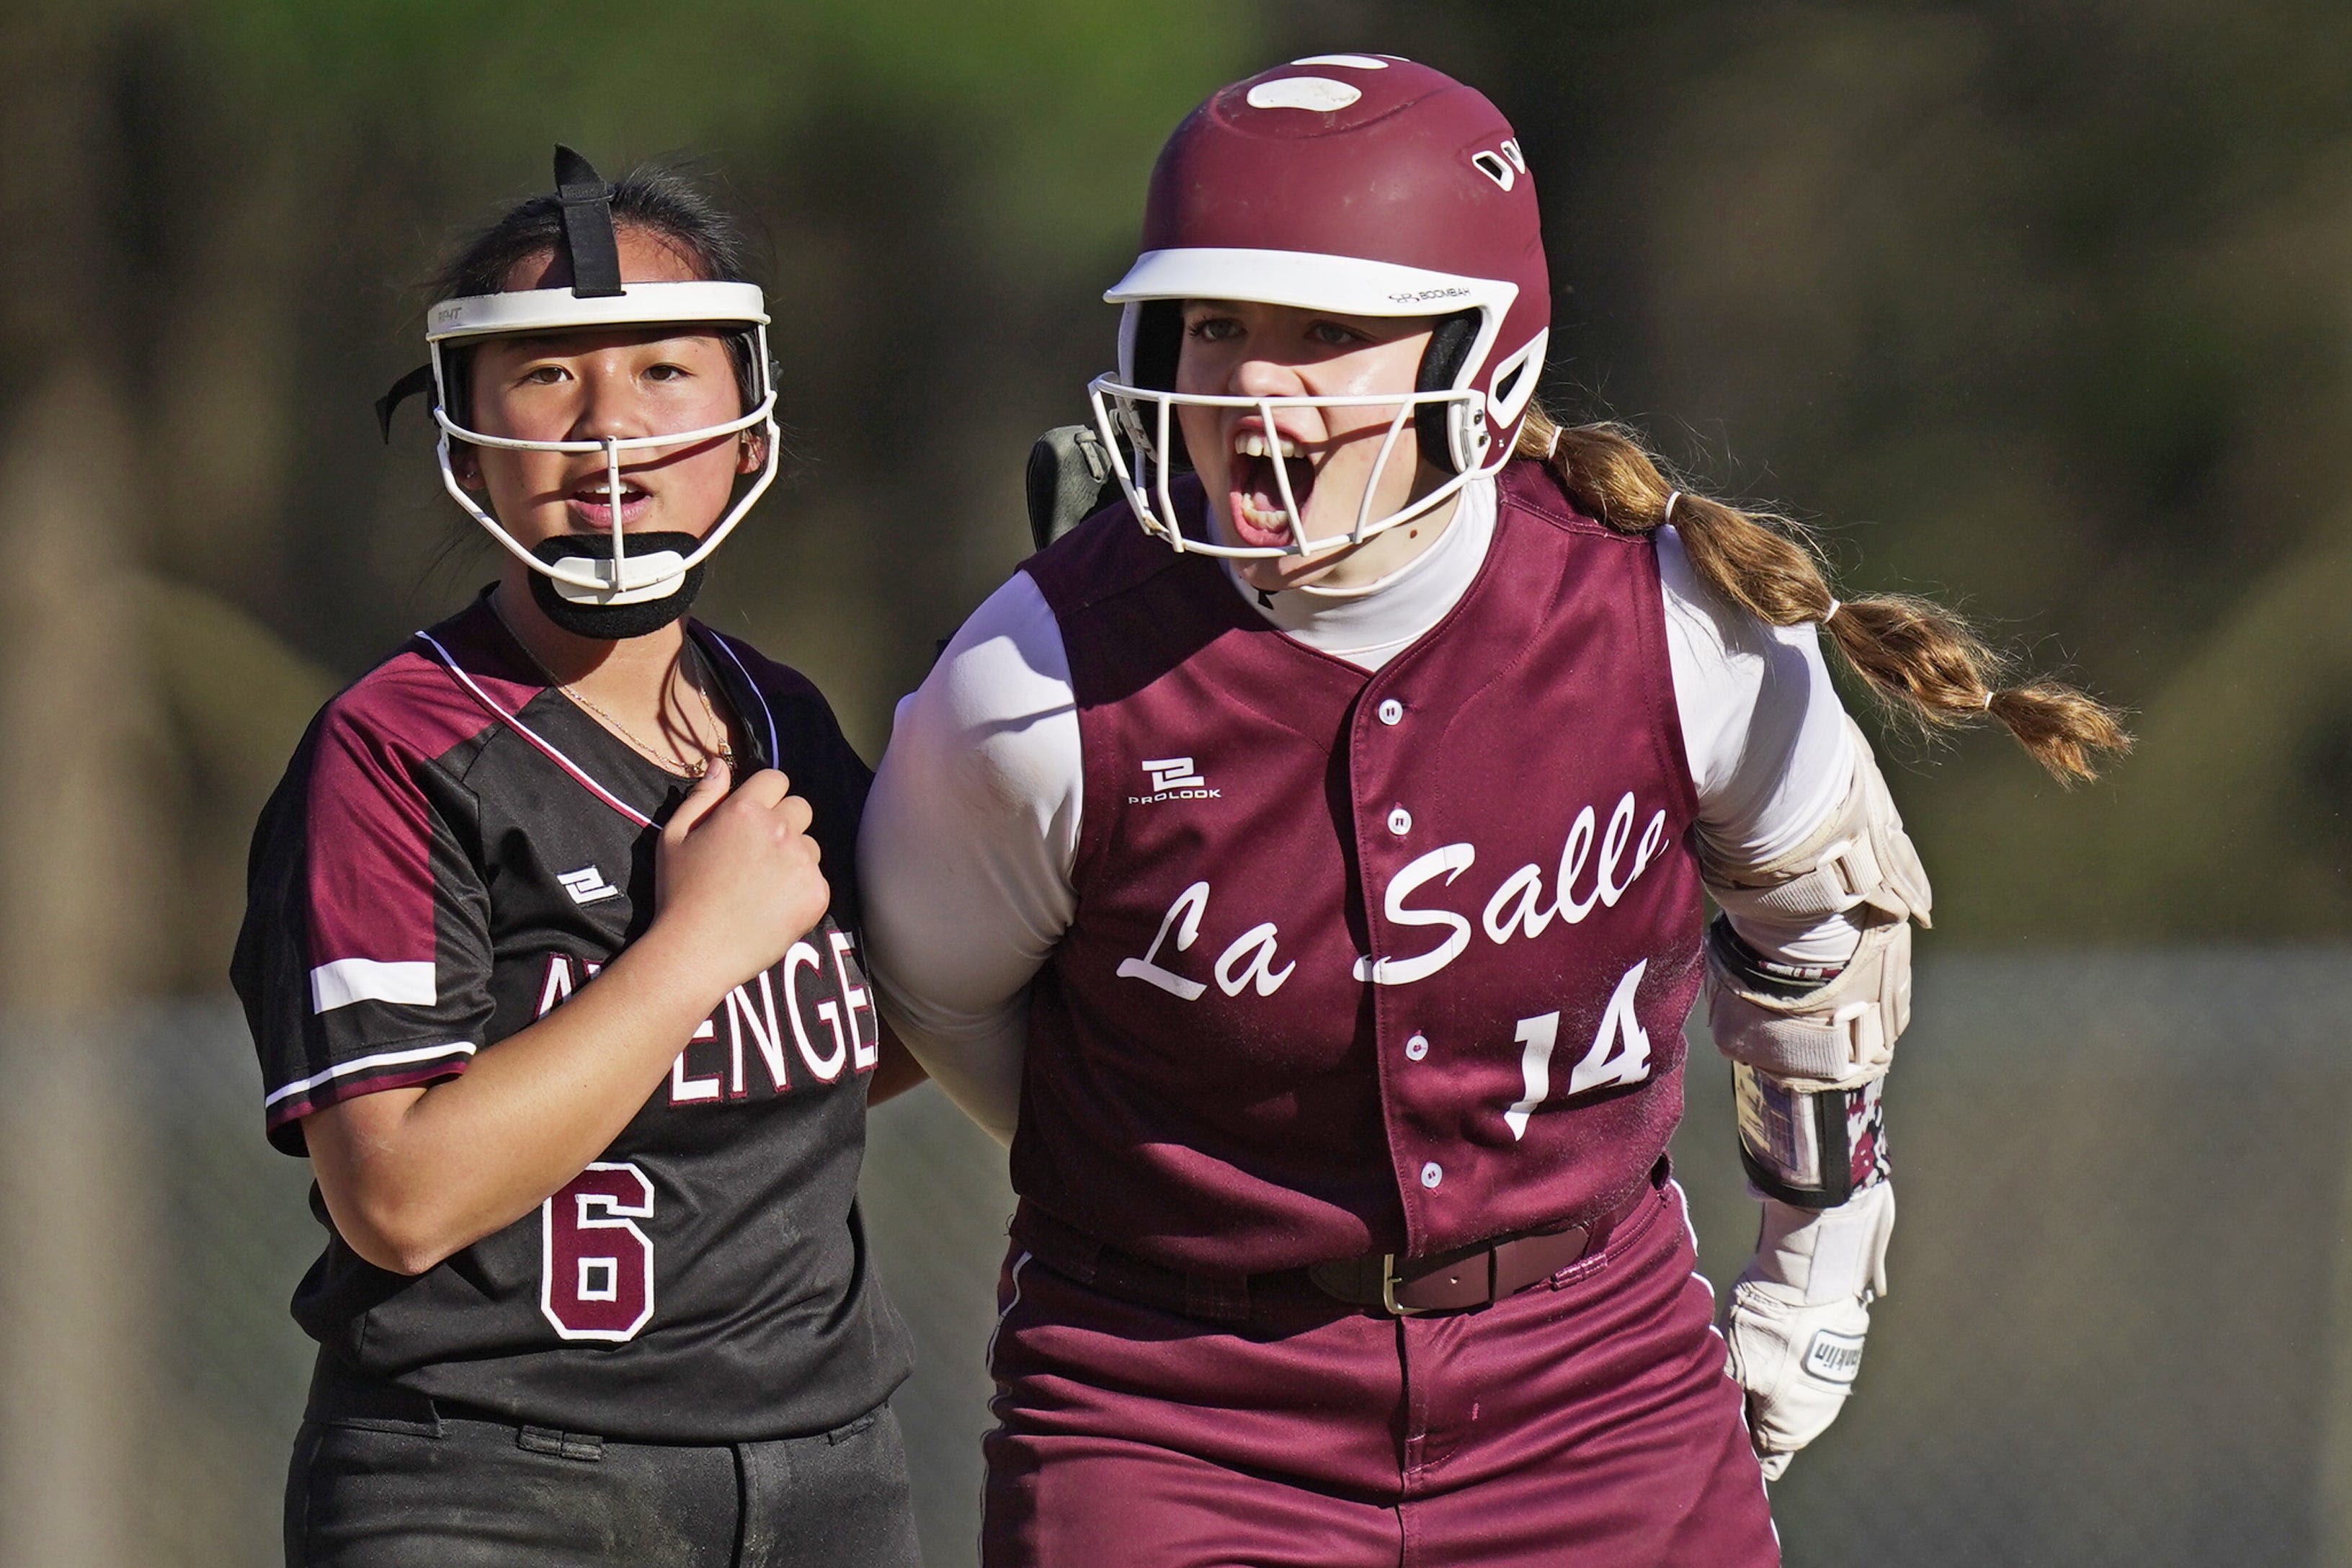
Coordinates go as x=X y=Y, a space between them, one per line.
x=1799 y=1315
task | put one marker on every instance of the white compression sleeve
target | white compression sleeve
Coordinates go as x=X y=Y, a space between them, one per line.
x=965 y=851
x=1766 y=737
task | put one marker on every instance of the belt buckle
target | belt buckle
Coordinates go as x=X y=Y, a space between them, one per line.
x=1390 y=1280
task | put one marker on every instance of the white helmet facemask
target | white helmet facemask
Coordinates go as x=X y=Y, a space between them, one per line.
x=1138 y=422
x=609 y=588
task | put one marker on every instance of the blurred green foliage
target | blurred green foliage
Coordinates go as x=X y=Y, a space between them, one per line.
x=1050 y=102
x=2041 y=309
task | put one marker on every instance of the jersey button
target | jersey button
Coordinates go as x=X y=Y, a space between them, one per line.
x=1400 y=822
x=1431 y=1174
x=1416 y=1047
x=1391 y=711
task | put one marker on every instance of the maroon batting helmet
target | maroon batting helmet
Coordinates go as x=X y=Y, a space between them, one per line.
x=1362 y=184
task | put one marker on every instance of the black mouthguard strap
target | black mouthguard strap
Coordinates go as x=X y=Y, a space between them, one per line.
x=587 y=226
x=416 y=381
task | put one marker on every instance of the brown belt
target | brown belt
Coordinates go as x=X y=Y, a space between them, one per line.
x=1451 y=1283
x=1455 y=1280
x=1469 y=1276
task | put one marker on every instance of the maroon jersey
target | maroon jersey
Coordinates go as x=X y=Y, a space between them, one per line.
x=1387 y=962
x=456 y=849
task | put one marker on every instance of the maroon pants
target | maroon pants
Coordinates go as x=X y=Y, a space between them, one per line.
x=1586 y=1420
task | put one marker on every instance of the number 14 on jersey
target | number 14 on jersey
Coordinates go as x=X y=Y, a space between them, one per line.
x=1619 y=1053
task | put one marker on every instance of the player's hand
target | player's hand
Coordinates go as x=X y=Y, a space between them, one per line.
x=736 y=880
x=1797 y=1360
x=1799 y=1316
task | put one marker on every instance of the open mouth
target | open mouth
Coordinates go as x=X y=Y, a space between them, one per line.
x=592 y=502
x=1261 y=519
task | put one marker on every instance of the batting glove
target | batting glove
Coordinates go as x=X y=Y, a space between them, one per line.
x=1799 y=1315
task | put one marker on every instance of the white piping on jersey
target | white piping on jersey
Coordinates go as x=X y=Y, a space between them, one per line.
x=579 y=773
x=369 y=1064
x=987 y=1357
x=775 y=747
x=1747 y=1419
x=341 y=982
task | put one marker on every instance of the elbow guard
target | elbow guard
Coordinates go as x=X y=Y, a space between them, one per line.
x=1838 y=1032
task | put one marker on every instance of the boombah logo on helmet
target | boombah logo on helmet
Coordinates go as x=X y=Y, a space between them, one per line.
x=1362 y=185
x=615 y=592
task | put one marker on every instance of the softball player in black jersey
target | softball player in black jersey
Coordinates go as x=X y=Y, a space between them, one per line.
x=552 y=960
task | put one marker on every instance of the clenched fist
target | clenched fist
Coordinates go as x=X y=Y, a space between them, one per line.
x=1799 y=1315
x=736 y=881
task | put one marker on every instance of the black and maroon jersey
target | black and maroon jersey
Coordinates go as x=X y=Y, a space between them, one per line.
x=1364 y=962
x=456 y=848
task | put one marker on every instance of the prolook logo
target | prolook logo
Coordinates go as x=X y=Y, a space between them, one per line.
x=1172 y=778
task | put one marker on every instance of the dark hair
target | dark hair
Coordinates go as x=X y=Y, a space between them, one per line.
x=658 y=199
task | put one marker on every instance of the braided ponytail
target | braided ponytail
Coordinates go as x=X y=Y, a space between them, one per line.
x=1921 y=658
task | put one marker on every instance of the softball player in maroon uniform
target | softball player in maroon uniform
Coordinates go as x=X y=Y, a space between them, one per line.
x=574 y=1036
x=1309 y=886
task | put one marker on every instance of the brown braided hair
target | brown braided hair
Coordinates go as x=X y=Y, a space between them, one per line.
x=1923 y=660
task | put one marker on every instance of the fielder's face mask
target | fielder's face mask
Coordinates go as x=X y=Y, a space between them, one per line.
x=611 y=589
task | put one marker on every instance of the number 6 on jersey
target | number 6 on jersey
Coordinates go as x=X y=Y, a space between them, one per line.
x=1619 y=1053
x=596 y=1268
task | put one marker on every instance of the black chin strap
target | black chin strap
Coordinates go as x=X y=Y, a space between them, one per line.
x=588 y=242
x=416 y=381
x=587 y=226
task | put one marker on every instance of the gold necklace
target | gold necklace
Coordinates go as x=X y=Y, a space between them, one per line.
x=668 y=761
x=671 y=762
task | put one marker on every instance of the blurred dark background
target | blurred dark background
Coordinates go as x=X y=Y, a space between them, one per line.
x=2040 y=307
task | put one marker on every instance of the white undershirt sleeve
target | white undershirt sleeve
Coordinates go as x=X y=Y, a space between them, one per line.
x=965 y=851
x=1767 y=739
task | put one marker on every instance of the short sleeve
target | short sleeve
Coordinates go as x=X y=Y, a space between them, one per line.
x=364 y=960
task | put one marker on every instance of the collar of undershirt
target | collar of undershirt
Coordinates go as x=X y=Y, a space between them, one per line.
x=1383 y=616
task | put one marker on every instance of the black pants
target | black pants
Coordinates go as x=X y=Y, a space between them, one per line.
x=454 y=1493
